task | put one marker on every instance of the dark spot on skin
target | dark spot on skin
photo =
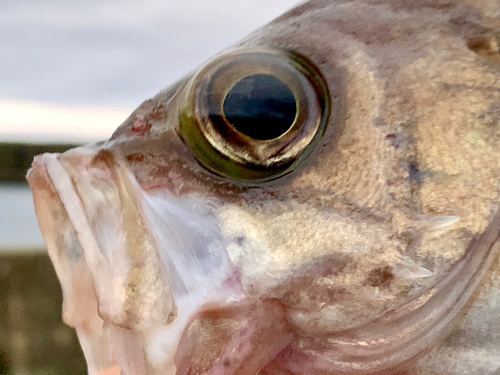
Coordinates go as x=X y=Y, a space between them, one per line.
x=486 y=47
x=479 y=39
x=135 y=158
x=414 y=173
x=171 y=317
x=303 y=286
x=379 y=121
x=395 y=139
x=240 y=240
x=104 y=160
x=478 y=44
x=141 y=127
x=226 y=362
x=380 y=277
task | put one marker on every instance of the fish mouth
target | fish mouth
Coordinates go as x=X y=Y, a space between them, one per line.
x=106 y=257
x=80 y=306
x=145 y=277
x=100 y=203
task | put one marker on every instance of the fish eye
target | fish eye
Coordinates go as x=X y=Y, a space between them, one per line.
x=254 y=115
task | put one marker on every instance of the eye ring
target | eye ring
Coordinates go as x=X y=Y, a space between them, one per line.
x=225 y=149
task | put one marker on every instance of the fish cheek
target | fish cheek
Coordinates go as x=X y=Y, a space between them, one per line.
x=457 y=148
x=278 y=244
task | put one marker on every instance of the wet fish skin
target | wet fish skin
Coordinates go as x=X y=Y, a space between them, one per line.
x=377 y=254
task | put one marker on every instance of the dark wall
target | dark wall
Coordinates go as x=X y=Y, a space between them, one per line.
x=16 y=158
x=33 y=338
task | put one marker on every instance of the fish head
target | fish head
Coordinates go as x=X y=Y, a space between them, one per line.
x=321 y=198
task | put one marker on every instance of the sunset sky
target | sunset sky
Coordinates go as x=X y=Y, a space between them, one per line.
x=73 y=70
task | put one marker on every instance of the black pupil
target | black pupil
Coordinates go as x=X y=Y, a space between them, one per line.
x=261 y=107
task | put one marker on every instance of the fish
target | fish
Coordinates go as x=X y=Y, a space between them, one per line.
x=321 y=198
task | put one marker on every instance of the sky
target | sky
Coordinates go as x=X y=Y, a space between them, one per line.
x=73 y=70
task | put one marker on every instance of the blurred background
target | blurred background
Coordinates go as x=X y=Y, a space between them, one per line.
x=70 y=72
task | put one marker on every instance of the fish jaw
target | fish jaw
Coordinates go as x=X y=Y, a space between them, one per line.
x=144 y=276
x=80 y=308
x=101 y=212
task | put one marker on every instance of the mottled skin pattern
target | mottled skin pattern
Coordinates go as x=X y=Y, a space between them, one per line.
x=343 y=244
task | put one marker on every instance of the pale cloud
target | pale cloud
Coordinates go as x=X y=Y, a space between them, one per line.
x=110 y=52
x=97 y=54
x=42 y=123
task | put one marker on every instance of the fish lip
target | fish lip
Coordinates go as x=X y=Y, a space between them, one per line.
x=61 y=182
x=80 y=307
x=101 y=196
x=48 y=174
x=100 y=330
